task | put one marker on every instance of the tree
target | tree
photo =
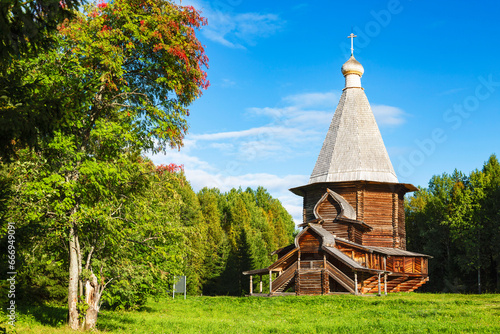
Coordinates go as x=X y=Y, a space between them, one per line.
x=252 y=234
x=125 y=73
x=192 y=220
x=27 y=29
x=465 y=221
x=217 y=247
x=427 y=213
x=456 y=220
x=27 y=25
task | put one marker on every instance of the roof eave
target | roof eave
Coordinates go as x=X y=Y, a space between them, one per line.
x=302 y=190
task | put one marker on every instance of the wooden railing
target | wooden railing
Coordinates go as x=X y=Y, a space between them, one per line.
x=311 y=264
x=340 y=277
x=284 y=277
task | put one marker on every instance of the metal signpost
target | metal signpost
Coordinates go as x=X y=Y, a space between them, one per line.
x=179 y=286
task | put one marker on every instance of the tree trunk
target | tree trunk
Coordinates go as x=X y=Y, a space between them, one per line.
x=479 y=267
x=92 y=297
x=498 y=277
x=79 y=257
x=73 y=280
x=479 y=280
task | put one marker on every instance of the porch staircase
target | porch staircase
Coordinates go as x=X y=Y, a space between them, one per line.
x=285 y=280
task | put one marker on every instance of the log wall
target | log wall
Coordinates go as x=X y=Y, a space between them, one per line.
x=380 y=205
x=329 y=209
x=407 y=264
x=401 y=218
x=309 y=242
x=340 y=230
x=378 y=213
x=309 y=282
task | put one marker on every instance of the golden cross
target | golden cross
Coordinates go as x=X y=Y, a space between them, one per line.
x=351 y=36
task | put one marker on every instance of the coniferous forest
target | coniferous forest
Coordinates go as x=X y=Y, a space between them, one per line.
x=457 y=221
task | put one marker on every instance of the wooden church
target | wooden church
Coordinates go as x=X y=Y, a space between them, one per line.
x=353 y=237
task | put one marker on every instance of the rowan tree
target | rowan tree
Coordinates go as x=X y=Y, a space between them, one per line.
x=123 y=74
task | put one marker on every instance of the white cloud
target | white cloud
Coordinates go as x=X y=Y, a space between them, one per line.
x=189 y=144
x=250 y=26
x=294 y=209
x=311 y=118
x=388 y=115
x=228 y=83
x=222 y=146
x=309 y=111
x=263 y=132
x=235 y=30
x=271 y=112
x=307 y=100
x=300 y=105
x=252 y=150
x=278 y=143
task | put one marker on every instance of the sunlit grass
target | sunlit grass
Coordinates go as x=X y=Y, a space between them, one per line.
x=396 y=313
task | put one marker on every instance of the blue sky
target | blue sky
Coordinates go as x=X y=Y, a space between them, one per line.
x=432 y=76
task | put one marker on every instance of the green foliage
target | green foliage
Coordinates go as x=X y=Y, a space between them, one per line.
x=27 y=25
x=456 y=220
x=249 y=226
x=129 y=61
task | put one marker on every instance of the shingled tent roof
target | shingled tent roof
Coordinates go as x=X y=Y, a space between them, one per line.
x=353 y=149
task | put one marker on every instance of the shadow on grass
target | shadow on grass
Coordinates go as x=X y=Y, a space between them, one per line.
x=147 y=309
x=56 y=316
x=114 y=320
x=46 y=315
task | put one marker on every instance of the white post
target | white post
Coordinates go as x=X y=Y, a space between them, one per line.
x=251 y=285
x=379 y=287
x=270 y=283
x=385 y=284
x=356 y=283
x=260 y=284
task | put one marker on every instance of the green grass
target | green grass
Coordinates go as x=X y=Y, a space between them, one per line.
x=396 y=313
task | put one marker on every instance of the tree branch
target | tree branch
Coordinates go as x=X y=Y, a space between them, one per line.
x=89 y=256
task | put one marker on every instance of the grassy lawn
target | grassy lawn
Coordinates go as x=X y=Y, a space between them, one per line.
x=396 y=313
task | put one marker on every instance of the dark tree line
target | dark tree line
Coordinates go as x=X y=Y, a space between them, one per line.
x=457 y=221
